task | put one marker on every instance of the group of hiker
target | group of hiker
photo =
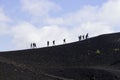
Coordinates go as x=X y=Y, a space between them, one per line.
x=33 y=45
x=81 y=37
x=48 y=43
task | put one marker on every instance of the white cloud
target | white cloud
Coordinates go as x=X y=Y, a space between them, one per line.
x=55 y=21
x=3 y=17
x=3 y=22
x=3 y=29
x=25 y=33
x=93 y=28
x=94 y=20
x=39 y=7
x=110 y=12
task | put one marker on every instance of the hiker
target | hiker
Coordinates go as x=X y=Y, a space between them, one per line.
x=47 y=43
x=87 y=36
x=83 y=37
x=31 y=45
x=53 y=42
x=34 y=45
x=64 y=40
x=79 y=38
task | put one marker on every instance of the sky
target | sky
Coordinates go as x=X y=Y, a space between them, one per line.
x=23 y=22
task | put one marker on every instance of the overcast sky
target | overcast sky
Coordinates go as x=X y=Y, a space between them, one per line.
x=26 y=21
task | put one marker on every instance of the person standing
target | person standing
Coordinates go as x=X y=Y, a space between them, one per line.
x=83 y=37
x=31 y=45
x=47 y=43
x=64 y=41
x=79 y=38
x=87 y=36
x=53 y=42
x=34 y=45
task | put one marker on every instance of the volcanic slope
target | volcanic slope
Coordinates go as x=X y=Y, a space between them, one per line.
x=97 y=57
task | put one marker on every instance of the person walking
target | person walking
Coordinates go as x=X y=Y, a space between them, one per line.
x=34 y=45
x=53 y=42
x=83 y=37
x=64 y=41
x=87 y=36
x=47 y=43
x=31 y=45
x=79 y=38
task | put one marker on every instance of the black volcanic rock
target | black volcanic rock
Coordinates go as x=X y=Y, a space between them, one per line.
x=98 y=56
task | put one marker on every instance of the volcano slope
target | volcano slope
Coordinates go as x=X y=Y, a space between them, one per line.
x=96 y=58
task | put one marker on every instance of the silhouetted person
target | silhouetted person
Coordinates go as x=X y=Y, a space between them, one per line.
x=54 y=42
x=31 y=45
x=83 y=37
x=87 y=36
x=79 y=38
x=64 y=40
x=34 y=45
x=47 y=43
